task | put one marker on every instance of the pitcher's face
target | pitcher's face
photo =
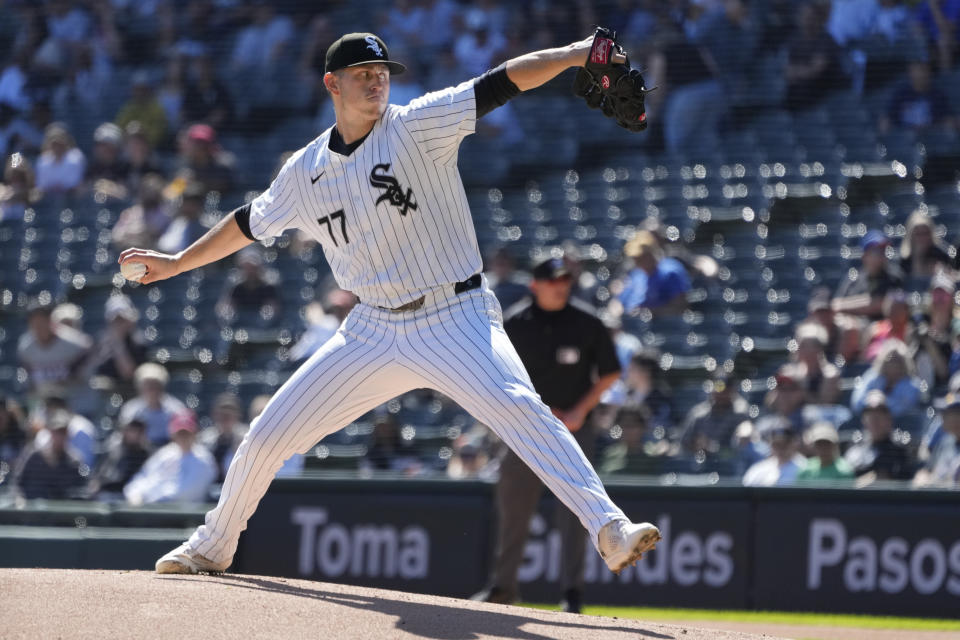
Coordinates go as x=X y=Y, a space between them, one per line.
x=364 y=89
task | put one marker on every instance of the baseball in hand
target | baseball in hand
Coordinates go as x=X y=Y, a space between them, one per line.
x=133 y=271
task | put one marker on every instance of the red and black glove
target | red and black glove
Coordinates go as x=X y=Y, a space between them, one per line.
x=613 y=87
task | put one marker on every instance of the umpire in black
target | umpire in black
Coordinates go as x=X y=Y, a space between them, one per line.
x=571 y=359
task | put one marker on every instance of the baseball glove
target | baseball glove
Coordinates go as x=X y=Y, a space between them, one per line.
x=613 y=87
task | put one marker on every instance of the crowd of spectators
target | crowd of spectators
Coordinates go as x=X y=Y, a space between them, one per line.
x=159 y=107
x=174 y=78
x=899 y=353
x=159 y=453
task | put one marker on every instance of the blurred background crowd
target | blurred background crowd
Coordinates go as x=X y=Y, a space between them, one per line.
x=775 y=257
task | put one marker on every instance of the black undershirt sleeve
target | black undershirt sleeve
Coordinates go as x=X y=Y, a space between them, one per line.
x=493 y=89
x=242 y=216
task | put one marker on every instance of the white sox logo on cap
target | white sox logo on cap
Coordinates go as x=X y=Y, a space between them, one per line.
x=355 y=49
x=374 y=46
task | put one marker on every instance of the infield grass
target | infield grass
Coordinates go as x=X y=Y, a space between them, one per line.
x=771 y=617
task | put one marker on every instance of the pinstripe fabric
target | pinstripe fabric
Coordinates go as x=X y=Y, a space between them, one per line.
x=454 y=344
x=386 y=253
x=352 y=373
x=471 y=360
x=394 y=223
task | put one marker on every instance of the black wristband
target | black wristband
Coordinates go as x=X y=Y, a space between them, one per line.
x=493 y=89
x=242 y=216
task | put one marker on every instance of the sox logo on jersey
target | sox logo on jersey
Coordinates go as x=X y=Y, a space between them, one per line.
x=393 y=191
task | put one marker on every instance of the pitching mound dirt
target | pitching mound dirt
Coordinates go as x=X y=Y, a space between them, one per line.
x=42 y=603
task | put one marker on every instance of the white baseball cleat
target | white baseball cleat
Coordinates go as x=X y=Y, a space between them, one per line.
x=622 y=542
x=183 y=560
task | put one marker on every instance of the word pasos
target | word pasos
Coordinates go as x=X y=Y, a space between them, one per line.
x=368 y=550
x=889 y=565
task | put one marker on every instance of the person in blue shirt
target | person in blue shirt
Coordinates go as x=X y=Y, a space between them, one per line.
x=893 y=374
x=657 y=283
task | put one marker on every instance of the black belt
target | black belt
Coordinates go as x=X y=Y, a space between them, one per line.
x=473 y=282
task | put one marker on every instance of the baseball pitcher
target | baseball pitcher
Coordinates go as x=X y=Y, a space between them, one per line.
x=380 y=191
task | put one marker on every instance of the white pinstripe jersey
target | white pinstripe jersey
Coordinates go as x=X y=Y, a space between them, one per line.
x=392 y=217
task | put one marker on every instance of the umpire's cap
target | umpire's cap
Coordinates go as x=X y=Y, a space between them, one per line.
x=550 y=269
x=360 y=48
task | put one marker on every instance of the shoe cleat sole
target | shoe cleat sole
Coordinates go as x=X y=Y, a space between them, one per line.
x=647 y=543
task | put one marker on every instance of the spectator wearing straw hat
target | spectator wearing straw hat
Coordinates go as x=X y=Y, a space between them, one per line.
x=152 y=404
x=657 y=283
x=892 y=373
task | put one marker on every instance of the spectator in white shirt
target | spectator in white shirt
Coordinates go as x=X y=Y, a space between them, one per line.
x=181 y=471
x=784 y=463
x=61 y=165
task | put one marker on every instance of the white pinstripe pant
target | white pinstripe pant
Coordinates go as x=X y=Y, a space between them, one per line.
x=454 y=344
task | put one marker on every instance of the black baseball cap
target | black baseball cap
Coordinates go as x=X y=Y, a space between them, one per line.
x=550 y=269
x=359 y=48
